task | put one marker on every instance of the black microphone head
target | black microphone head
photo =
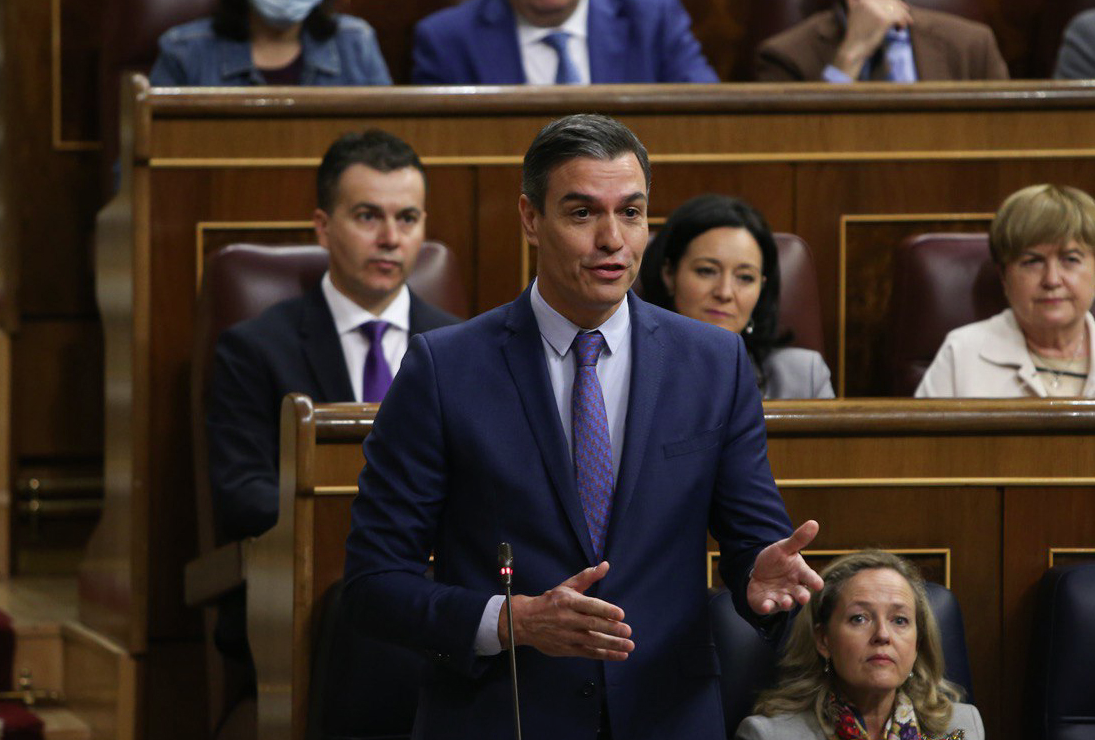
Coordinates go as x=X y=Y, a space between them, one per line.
x=505 y=555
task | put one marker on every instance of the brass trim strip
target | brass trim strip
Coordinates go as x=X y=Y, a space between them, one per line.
x=842 y=278
x=335 y=491
x=59 y=144
x=487 y=160
x=202 y=226
x=1054 y=551
x=929 y=482
x=944 y=551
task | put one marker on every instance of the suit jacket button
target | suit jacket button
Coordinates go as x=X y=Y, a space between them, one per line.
x=588 y=689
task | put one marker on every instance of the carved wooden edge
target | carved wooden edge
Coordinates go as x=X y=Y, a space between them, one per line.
x=114 y=588
x=620 y=99
x=937 y=416
x=101 y=683
x=344 y=421
x=272 y=572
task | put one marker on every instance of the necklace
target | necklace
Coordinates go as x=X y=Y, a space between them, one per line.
x=1058 y=366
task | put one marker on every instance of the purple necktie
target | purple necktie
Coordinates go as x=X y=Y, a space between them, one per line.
x=592 y=445
x=378 y=376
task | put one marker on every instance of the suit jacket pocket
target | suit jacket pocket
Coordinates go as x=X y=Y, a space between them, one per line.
x=702 y=441
x=699 y=661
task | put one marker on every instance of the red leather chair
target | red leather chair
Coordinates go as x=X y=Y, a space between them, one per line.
x=799 y=305
x=240 y=281
x=941 y=282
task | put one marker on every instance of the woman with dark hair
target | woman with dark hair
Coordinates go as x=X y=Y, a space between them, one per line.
x=271 y=42
x=716 y=260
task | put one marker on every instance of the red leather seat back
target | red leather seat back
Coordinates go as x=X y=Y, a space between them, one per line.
x=799 y=305
x=941 y=282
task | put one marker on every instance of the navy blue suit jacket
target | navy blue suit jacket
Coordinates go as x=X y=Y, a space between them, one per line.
x=468 y=451
x=475 y=43
x=292 y=347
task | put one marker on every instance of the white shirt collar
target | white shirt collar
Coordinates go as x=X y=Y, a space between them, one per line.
x=576 y=25
x=560 y=331
x=349 y=316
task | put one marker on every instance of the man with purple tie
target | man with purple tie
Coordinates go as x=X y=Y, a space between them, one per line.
x=341 y=341
x=603 y=438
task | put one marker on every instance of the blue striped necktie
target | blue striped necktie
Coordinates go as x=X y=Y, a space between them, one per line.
x=592 y=444
x=566 y=73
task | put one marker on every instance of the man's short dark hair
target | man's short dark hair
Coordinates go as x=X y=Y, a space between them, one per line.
x=583 y=135
x=373 y=148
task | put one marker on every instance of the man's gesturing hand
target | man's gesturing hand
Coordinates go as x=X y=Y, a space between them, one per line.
x=563 y=622
x=780 y=576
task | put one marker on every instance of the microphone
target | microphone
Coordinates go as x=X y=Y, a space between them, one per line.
x=505 y=572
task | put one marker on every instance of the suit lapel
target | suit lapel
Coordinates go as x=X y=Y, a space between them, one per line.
x=524 y=353
x=929 y=51
x=647 y=369
x=607 y=38
x=497 y=59
x=323 y=349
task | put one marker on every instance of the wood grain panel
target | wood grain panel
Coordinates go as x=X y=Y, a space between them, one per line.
x=76 y=77
x=1035 y=520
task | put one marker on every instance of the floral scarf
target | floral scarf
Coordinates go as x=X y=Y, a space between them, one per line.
x=848 y=725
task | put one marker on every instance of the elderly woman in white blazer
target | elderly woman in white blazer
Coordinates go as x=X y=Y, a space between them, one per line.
x=864 y=662
x=1042 y=240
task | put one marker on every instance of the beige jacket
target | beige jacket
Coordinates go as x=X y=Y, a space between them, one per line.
x=804 y=726
x=989 y=359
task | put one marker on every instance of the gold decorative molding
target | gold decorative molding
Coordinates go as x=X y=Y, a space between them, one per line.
x=1055 y=551
x=945 y=552
x=929 y=482
x=505 y=160
x=203 y=226
x=842 y=284
x=59 y=143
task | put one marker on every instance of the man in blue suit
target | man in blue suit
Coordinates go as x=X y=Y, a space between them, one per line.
x=587 y=428
x=513 y=42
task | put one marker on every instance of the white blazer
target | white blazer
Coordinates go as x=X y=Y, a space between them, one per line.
x=989 y=359
x=804 y=726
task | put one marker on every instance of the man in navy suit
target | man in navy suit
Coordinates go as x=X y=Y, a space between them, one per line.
x=512 y=42
x=586 y=428
x=371 y=218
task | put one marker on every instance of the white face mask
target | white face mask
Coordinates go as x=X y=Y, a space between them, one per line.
x=282 y=13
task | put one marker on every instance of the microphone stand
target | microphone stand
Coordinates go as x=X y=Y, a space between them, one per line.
x=505 y=570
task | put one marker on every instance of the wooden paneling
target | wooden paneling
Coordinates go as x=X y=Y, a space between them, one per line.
x=989 y=537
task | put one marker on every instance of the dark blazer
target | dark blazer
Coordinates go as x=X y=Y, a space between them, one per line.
x=468 y=451
x=291 y=347
x=475 y=43
x=945 y=47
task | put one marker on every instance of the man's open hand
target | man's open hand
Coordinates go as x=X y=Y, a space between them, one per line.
x=781 y=578
x=868 y=21
x=563 y=622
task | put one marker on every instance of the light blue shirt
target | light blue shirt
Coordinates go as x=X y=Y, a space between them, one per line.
x=614 y=373
x=899 y=58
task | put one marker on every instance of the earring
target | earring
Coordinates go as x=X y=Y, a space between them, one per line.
x=749 y=327
x=828 y=664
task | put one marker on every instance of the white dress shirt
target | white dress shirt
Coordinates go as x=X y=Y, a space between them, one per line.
x=540 y=61
x=349 y=317
x=614 y=374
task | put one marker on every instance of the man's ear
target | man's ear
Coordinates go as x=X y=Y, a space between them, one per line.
x=530 y=218
x=319 y=223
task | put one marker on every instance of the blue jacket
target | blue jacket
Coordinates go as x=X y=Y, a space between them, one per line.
x=475 y=43
x=468 y=451
x=193 y=55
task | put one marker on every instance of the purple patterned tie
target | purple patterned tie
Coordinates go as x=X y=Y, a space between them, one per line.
x=378 y=376
x=592 y=446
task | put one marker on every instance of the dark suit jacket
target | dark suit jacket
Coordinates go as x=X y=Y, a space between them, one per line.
x=945 y=47
x=291 y=347
x=475 y=43
x=468 y=451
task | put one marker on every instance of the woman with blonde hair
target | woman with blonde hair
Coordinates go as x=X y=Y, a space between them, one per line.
x=1042 y=241
x=864 y=662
